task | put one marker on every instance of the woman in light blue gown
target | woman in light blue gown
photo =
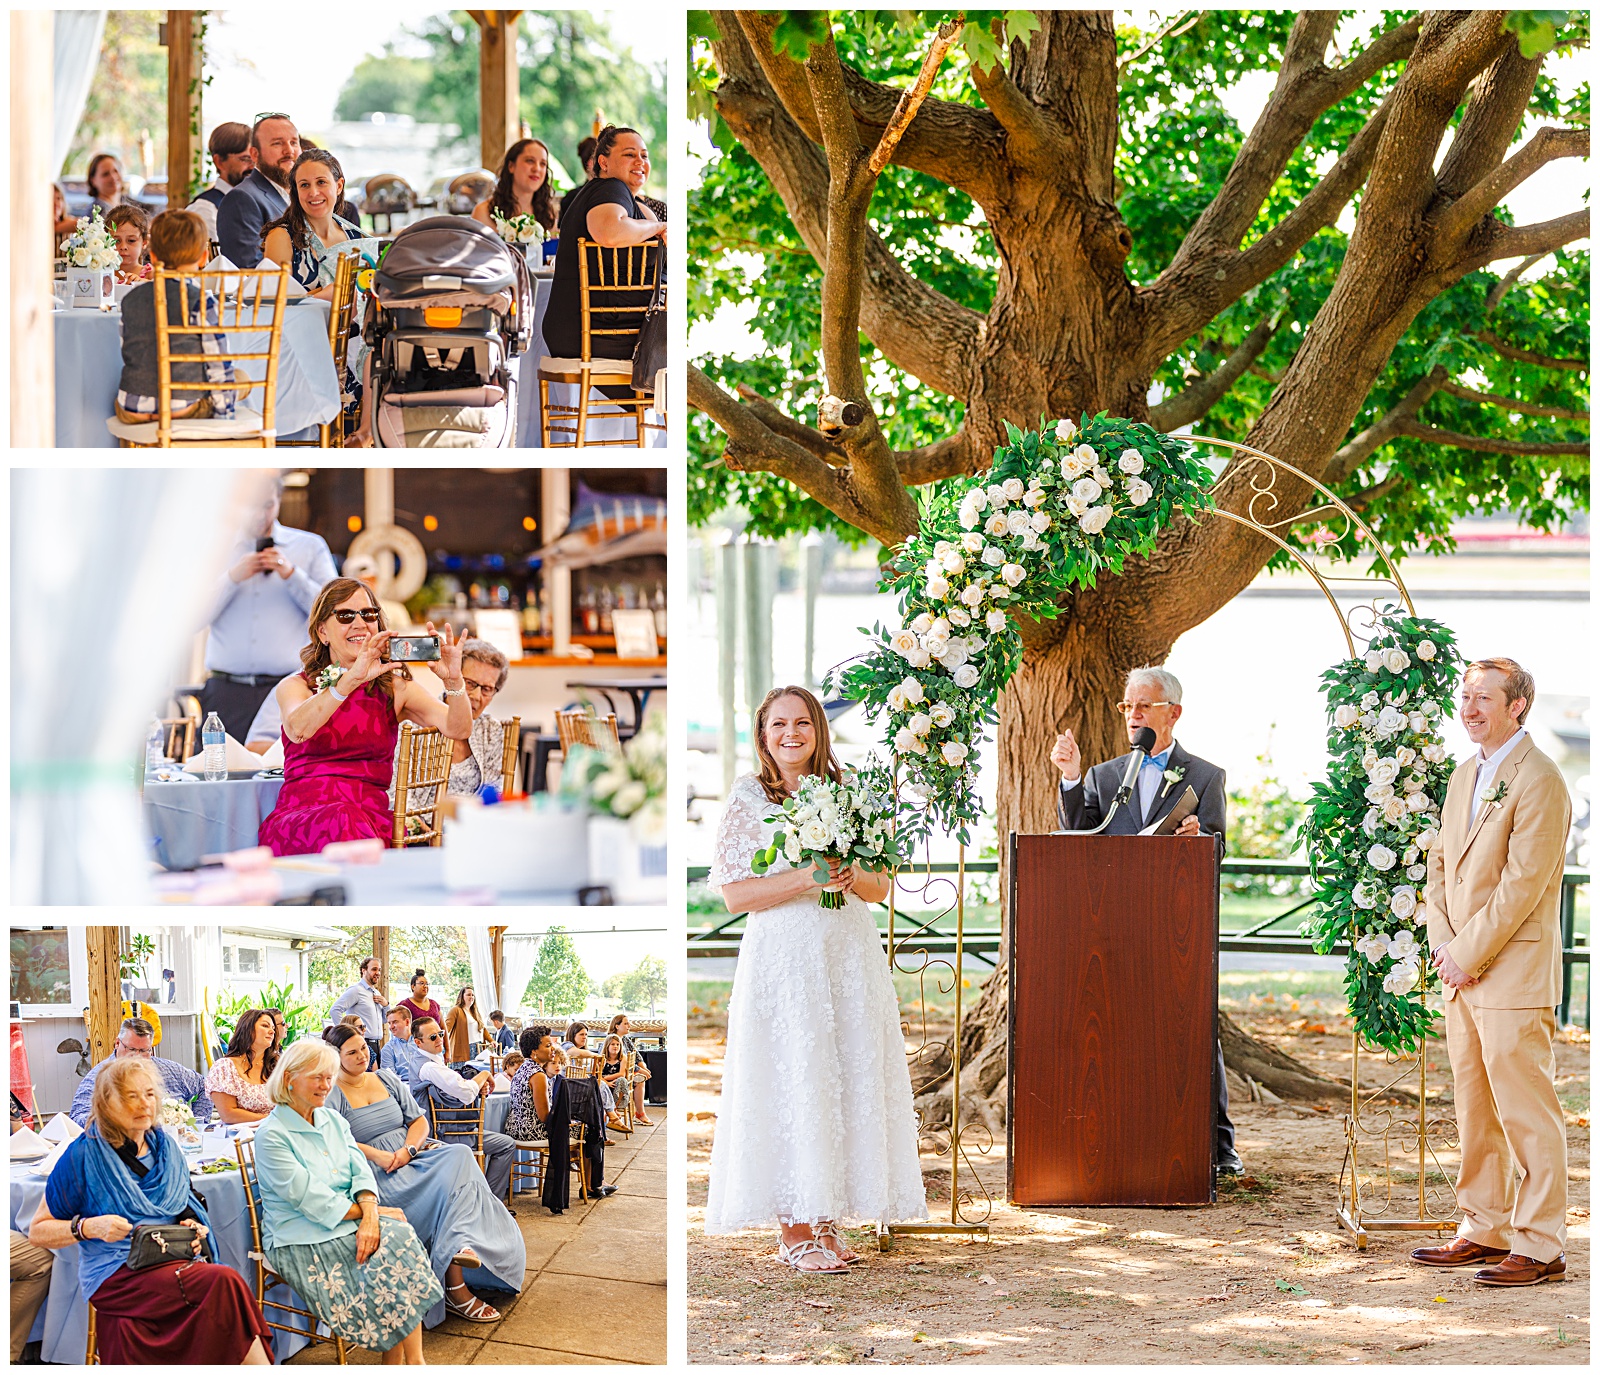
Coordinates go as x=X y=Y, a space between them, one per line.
x=438 y=1187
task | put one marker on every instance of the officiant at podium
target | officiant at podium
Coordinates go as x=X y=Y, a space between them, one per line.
x=1152 y=698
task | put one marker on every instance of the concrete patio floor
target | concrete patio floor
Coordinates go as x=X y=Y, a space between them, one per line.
x=596 y=1290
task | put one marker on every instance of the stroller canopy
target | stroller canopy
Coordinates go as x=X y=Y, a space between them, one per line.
x=448 y=253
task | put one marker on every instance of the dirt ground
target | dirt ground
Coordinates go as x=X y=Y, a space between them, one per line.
x=1264 y=1275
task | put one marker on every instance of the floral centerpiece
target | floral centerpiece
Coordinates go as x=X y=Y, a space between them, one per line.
x=179 y=1115
x=520 y=231
x=631 y=786
x=1376 y=819
x=92 y=260
x=848 y=821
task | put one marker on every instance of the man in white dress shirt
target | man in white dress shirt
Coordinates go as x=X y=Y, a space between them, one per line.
x=258 y=620
x=450 y=1089
x=366 y=999
x=233 y=157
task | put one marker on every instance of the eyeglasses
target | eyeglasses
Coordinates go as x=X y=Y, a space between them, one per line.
x=487 y=689
x=370 y=616
x=1128 y=707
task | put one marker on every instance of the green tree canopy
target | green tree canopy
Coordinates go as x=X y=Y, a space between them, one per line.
x=128 y=96
x=559 y=983
x=639 y=988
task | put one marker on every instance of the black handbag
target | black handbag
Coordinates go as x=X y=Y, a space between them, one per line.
x=650 y=352
x=164 y=1243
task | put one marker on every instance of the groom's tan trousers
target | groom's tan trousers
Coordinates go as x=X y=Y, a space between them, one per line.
x=1511 y=1125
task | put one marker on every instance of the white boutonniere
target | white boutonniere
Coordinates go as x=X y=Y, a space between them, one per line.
x=1498 y=796
x=1173 y=776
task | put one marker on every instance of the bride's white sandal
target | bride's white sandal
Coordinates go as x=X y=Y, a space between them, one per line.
x=792 y=1255
x=828 y=1231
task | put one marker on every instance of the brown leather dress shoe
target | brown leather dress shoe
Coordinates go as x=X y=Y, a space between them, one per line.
x=1515 y=1271
x=1461 y=1251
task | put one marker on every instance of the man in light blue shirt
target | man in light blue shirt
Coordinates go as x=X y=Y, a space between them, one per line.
x=400 y=1054
x=258 y=619
x=137 y=1037
x=365 y=998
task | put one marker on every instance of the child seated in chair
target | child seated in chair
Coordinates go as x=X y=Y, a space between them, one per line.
x=178 y=243
x=130 y=231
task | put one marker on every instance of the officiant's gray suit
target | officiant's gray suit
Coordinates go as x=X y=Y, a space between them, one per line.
x=1083 y=806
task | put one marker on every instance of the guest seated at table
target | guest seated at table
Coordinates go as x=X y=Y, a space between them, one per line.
x=530 y=1086
x=123 y=1171
x=130 y=231
x=399 y=1054
x=136 y=1040
x=620 y=1026
x=237 y=1082
x=476 y=761
x=30 y=1287
x=308 y=234
x=610 y=1073
x=341 y=718
x=66 y=224
x=107 y=189
x=460 y=1044
x=358 y=1266
x=232 y=156
x=263 y=195
x=503 y=1036
x=607 y=211
x=177 y=243
x=419 y=1004
x=451 y=1089
x=523 y=187
x=438 y=1186
x=511 y=1064
x=578 y=1040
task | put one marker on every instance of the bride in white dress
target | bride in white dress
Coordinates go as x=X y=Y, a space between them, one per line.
x=816 y=1125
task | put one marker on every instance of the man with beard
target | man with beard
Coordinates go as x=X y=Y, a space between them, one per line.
x=233 y=158
x=263 y=195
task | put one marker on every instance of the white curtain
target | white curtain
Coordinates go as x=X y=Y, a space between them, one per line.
x=111 y=571
x=518 y=949
x=484 y=982
x=77 y=54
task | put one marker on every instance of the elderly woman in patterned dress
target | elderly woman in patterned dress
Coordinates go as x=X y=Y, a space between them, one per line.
x=359 y=1267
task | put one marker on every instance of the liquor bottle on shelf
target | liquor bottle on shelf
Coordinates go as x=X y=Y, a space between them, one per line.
x=588 y=612
x=608 y=602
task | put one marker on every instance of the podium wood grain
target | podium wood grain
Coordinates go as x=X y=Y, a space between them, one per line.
x=1113 y=966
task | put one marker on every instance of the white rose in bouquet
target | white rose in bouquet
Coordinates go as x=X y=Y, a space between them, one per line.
x=996 y=526
x=1384 y=771
x=1374 y=946
x=1040 y=521
x=1394 y=810
x=943 y=714
x=1391 y=722
x=1345 y=715
x=1396 y=660
x=1404 y=755
x=1131 y=462
x=1427 y=839
x=814 y=835
x=972 y=595
x=954 y=752
x=1374 y=661
x=919 y=658
x=1014 y=488
x=966 y=676
x=903 y=642
x=1065 y=431
x=938 y=588
x=1403 y=902
x=1369 y=701
x=994 y=556
x=1094 y=520
x=920 y=724
x=995 y=620
x=911 y=690
x=972 y=542
x=1426 y=650
x=1401 y=979
x=1381 y=857
x=1086 y=490
x=1417 y=872
x=1139 y=491
x=1013 y=573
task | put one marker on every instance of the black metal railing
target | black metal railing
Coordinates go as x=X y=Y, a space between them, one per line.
x=936 y=935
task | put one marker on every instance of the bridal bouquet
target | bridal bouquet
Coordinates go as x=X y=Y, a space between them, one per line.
x=519 y=229
x=848 y=821
x=91 y=246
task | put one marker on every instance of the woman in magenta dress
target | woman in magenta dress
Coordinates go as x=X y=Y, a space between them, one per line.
x=339 y=732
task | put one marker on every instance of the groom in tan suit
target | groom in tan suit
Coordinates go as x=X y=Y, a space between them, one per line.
x=1494 y=891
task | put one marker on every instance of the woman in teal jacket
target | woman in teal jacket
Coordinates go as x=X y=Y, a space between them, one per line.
x=359 y=1267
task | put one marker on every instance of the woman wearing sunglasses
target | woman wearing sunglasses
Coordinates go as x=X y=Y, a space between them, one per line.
x=341 y=717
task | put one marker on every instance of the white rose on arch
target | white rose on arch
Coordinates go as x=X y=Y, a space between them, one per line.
x=1384 y=771
x=911 y=690
x=1426 y=650
x=1394 y=810
x=1396 y=660
x=923 y=624
x=1346 y=715
x=903 y=642
x=1374 y=660
x=1363 y=896
x=1380 y=857
x=996 y=621
x=1426 y=839
x=997 y=494
x=959 y=616
x=1013 y=573
x=920 y=724
x=1139 y=491
x=972 y=542
x=938 y=589
x=954 y=753
x=919 y=658
x=1401 y=979
x=1391 y=722
x=1102 y=477
x=936 y=644
x=1403 y=902
x=1131 y=462
x=1065 y=431
x=1094 y=520
x=1086 y=490
x=953 y=562
x=996 y=526
x=943 y=714
x=972 y=595
x=896 y=699
x=1040 y=520
x=993 y=555
x=966 y=676
x=1014 y=488
x=1374 y=946
x=907 y=743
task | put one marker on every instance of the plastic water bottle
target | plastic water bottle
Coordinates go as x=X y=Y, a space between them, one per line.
x=215 y=739
x=155 y=747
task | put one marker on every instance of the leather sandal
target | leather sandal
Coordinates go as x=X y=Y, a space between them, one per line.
x=792 y=1256
x=473 y=1310
x=829 y=1231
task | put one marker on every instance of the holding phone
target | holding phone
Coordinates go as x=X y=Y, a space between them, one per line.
x=414 y=649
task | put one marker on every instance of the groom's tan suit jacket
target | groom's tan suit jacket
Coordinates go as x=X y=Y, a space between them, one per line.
x=1494 y=882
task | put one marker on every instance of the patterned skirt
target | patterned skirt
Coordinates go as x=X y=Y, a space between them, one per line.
x=375 y=1305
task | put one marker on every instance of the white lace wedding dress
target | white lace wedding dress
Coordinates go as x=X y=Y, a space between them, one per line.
x=815 y=1120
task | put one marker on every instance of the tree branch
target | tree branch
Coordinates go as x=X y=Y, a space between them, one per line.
x=1520 y=355
x=1511 y=403
x=1356 y=452
x=1487 y=444
x=1200 y=396
x=943 y=39
x=1498 y=293
x=781 y=423
x=955 y=454
x=1535 y=240
x=1549 y=144
x=747 y=434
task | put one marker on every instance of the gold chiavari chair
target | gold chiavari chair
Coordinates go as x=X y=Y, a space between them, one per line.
x=421 y=771
x=510 y=749
x=330 y=434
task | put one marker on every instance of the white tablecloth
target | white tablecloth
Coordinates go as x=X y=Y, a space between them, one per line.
x=88 y=347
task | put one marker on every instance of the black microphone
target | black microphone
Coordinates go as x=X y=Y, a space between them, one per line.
x=1143 y=743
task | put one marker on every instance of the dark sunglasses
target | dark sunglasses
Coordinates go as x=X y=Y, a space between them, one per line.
x=272 y=114
x=370 y=616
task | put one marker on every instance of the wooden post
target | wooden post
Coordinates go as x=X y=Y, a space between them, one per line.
x=497 y=966
x=33 y=365
x=183 y=105
x=499 y=91
x=105 y=989
x=380 y=951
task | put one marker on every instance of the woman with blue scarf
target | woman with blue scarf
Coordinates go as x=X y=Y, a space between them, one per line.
x=123 y=1171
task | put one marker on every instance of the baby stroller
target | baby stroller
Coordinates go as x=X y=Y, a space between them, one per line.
x=452 y=307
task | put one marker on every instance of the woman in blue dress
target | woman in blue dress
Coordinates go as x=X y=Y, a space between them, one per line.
x=439 y=1187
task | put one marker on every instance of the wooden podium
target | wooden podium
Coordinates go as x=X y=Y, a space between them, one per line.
x=1113 y=964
